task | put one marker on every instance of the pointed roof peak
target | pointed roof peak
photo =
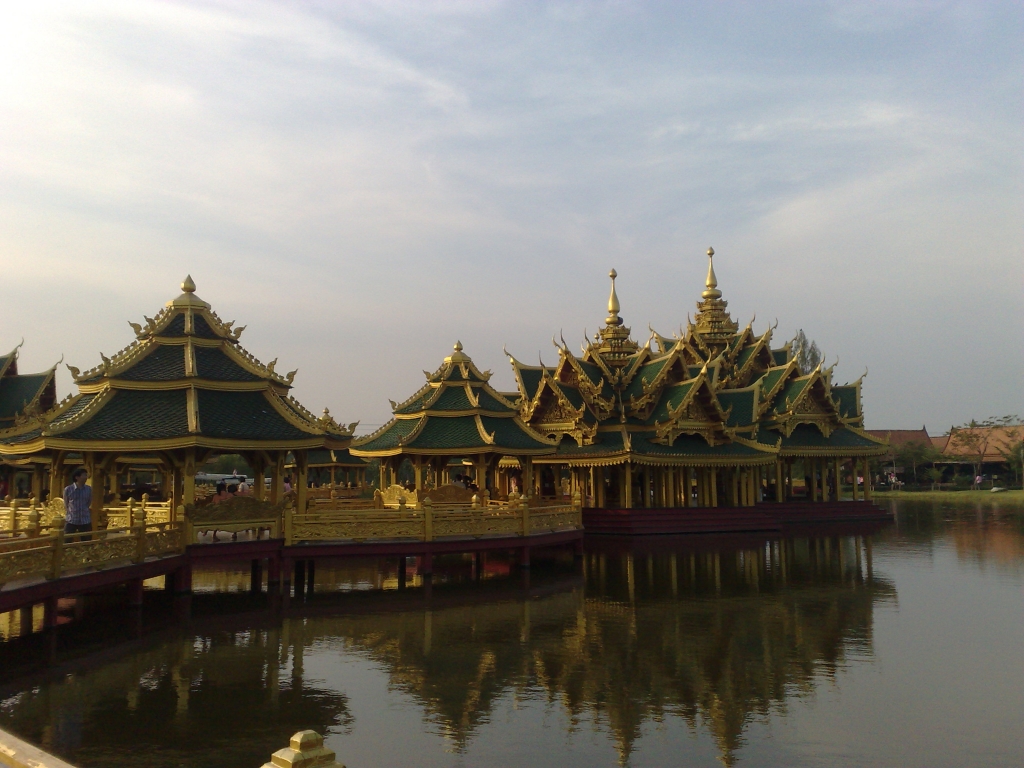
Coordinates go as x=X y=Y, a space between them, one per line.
x=188 y=296
x=712 y=291
x=457 y=355
x=613 y=303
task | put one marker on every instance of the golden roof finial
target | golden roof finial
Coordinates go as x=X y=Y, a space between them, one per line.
x=712 y=291
x=613 y=303
x=188 y=297
x=458 y=356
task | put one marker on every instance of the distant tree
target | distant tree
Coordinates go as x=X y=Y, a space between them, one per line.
x=1014 y=455
x=916 y=455
x=970 y=441
x=807 y=353
x=935 y=475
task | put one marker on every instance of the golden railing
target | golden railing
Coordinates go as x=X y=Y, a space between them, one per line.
x=427 y=523
x=124 y=515
x=30 y=554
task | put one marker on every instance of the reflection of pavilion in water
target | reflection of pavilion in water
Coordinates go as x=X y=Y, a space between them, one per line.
x=223 y=698
x=717 y=637
x=642 y=641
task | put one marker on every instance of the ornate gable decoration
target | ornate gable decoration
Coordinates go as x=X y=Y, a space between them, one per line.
x=698 y=413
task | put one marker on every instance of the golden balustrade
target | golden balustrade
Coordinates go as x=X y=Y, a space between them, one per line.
x=124 y=515
x=30 y=554
x=427 y=522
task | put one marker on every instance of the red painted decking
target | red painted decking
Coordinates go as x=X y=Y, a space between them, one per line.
x=765 y=517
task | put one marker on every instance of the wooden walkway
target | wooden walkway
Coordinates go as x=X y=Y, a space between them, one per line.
x=38 y=568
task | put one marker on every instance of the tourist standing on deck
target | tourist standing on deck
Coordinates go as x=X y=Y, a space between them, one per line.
x=77 y=503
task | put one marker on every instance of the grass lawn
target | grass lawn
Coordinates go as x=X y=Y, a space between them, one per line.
x=953 y=497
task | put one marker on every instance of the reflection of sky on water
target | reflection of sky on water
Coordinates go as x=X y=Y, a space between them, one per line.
x=898 y=649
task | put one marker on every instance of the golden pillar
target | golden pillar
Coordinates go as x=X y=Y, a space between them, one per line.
x=823 y=465
x=188 y=479
x=713 y=481
x=277 y=478
x=839 y=481
x=867 y=479
x=853 y=475
x=814 y=477
x=57 y=475
x=301 y=480
x=780 y=488
x=627 y=485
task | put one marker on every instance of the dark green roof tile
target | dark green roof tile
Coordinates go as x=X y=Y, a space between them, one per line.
x=647 y=372
x=448 y=433
x=510 y=435
x=452 y=399
x=166 y=362
x=243 y=416
x=18 y=391
x=742 y=404
x=809 y=436
x=202 y=329
x=390 y=436
x=133 y=414
x=846 y=399
x=214 y=364
x=670 y=399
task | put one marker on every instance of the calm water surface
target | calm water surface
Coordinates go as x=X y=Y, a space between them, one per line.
x=894 y=646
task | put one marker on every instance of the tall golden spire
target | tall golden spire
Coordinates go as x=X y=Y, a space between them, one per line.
x=712 y=321
x=613 y=303
x=712 y=291
x=615 y=346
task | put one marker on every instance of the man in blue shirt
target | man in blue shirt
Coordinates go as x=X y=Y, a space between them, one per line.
x=78 y=503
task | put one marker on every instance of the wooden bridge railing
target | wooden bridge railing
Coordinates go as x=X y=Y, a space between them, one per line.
x=30 y=554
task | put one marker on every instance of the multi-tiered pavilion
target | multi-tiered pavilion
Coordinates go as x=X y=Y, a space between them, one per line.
x=713 y=416
x=182 y=391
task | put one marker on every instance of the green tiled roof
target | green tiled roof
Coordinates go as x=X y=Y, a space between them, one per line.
x=780 y=356
x=790 y=392
x=243 y=416
x=572 y=395
x=133 y=414
x=76 y=407
x=846 y=399
x=176 y=327
x=488 y=403
x=643 y=444
x=809 y=436
x=24 y=437
x=745 y=355
x=18 y=391
x=771 y=379
x=415 y=404
x=166 y=362
x=390 y=436
x=448 y=433
x=531 y=380
x=508 y=434
x=649 y=372
x=319 y=456
x=202 y=329
x=212 y=363
x=452 y=399
x=742 y=404
x=671 y=397
x=346 y=458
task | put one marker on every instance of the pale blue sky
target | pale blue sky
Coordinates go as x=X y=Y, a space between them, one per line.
x=363 y=184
